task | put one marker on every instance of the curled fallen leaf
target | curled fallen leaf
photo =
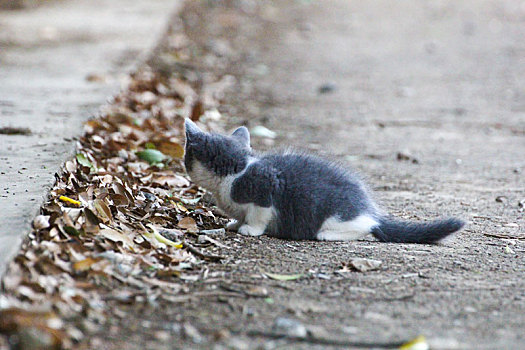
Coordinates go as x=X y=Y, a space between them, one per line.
x=172 y=180
x=103 y=210
x=279 y=277
x=172 y=149
x=85 y=264
x=188 y=224
x=116 y=236
x=41 y=221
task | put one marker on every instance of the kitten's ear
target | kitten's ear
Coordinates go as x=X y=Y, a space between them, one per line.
x=191 y=128
x=242 y=134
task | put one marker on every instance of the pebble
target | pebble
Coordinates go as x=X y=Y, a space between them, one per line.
x=501 y=199
x=289 y=328
x=407 y=155
x=364 y=265
x=192 y=333
x=470 y=309
x=216 y=232
x=261 y=131
x=162 y=335
x=326 y=88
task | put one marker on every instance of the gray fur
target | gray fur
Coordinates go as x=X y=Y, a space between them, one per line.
x=222 y=155
x=303 y=190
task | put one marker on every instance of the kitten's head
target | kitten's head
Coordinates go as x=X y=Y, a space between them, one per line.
x=207 y=155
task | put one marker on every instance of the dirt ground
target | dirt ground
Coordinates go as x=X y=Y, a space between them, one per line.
x=427 y=101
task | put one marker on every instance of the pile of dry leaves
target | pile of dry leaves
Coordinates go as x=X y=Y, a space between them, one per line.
x=122 y=224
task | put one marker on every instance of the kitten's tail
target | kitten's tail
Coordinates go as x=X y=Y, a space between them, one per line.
x=392 y=230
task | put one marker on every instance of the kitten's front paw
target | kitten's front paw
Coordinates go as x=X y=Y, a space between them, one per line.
x=250 y=231
x=233 y=225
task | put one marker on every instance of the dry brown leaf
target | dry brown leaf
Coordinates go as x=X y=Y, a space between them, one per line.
x=84 y=265
x=115 y=236
x=104 y=213
x=119 y=200
x=173 y=180
x=172 y=149
x=46 y=324
x=188 y=224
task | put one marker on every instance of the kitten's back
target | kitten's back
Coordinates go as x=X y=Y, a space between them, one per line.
x=312 y=190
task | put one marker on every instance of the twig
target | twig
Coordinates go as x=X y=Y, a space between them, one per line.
x=185 y=298
x=200 y=254
x=325 y=341
x=511 y=236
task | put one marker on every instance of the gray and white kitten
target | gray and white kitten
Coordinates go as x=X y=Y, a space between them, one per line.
x=293 y=195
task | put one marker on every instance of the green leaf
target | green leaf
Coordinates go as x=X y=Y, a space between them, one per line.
x=82 y=160
x=150 y=145
x=151 y=156
x=72 y=231
x=278 y=277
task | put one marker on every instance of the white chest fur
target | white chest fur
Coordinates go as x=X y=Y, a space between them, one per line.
x=221 y=187
x=252 y=220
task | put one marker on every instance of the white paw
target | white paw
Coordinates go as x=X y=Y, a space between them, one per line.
x=233 y=225
x=250 y=231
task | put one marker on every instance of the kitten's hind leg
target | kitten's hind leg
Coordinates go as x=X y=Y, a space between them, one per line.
x=333 y=229
x=256 y=220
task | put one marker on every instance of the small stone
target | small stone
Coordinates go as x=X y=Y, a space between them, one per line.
x=364 y=265
x=215 y=232
x=146 y=98
x=323 y=276
x=406 y=155
x=257 y=291
x=162 y=335
x=96 y=78
x=326 y=88
x=249 y=312
x=289 y=328
x=406 y=91
x=192 y=333
x=261 y=131
x=470 y=309
x=501 y=199
x=377 y=317
x=222 y=334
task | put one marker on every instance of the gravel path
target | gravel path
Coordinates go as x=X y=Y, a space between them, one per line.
x=427 y=101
